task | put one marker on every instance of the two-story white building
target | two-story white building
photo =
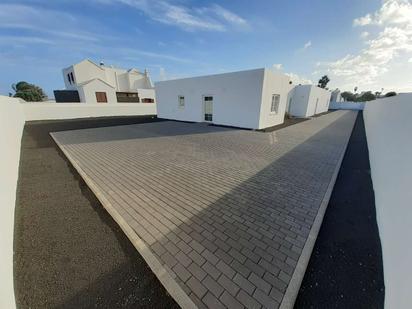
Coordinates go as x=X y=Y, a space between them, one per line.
x=89 y=82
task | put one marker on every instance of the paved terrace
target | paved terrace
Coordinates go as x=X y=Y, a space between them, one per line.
x=224 y=217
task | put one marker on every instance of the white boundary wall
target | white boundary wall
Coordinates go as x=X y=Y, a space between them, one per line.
x=13 y=115
x=45 y=111
x=388 y=129
x=356 y=106
x=11 y=126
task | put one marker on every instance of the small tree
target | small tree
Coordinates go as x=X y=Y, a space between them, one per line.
x=390 y=94
x=323 y=81
x=366 y=96
x=28 y=92
x=348 y=96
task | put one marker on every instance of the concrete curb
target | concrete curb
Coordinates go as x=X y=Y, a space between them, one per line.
x=172 y=287
x=292 y=290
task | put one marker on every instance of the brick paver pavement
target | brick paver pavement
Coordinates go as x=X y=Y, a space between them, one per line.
x=226 y=212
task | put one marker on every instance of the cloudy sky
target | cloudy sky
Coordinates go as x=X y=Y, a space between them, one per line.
x=365 y=43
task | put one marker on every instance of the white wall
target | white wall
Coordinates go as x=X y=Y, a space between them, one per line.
x=304 y=99
x=88 y=91
x=13 y=114
x=146 y=93
x=274 y=83
x=321 y=96
x=11 y=128
x=299 y=104
x=87 y=70
x=236 y=98
x=389 y=128
x=44 y=111
x=347 y=105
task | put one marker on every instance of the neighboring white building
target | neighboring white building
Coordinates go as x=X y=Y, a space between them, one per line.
x=91 y=83
x=308 y=100
x=336 y=96
x=254 y=99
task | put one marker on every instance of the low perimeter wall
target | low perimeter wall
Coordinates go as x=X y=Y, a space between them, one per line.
x=11 y=126
x=13 y=115
x=49 y=111
x=389 y=133
x=358 y=106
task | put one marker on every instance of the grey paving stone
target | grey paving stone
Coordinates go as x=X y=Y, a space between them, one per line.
x=244 y=284
x=248 y=301
x=212 y=302
x=259 y=283
x=213 y=286
x=217 y=206
x=265 y=300
x=228 y=285
x=230 y=302
x=196 y=287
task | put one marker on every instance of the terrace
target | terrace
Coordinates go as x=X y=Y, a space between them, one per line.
x=189 y=237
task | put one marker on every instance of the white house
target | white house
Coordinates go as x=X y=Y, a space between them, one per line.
x=92 y=83
x=336 y=96
x=308 y=100
x=254 y=99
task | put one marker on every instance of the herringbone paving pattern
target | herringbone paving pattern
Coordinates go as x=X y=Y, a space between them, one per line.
x=226 y=211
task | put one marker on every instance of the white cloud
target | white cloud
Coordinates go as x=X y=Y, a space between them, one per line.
x=297 y=79
x=391 y=47
x=363 y=21
x=162 y=74
x=211 y=18
x=54 y=24
x=307 y=45
x=278 y=66
x=364 y=34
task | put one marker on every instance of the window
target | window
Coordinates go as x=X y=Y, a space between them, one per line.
x=101 y=97
x=274 y=107
x=181 y=100
x=147 y=100
x=71 y=74
x=69 y=79
x=127 y=97
x=208 y=108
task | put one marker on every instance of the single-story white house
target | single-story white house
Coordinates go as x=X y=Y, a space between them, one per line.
x=336 y=96
x=89 y=82
x=253 y=99
x=308 y=100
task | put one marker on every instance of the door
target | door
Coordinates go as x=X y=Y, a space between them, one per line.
x=101 y=97
x=208 y=108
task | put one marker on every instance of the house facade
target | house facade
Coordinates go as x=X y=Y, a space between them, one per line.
x=253 y=99
x=336 y=96
x=89 y=82
x=308 y=100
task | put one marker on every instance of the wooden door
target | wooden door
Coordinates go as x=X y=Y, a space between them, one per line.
x=101 y=97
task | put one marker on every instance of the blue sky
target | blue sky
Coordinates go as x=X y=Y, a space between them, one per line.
x=364 y=43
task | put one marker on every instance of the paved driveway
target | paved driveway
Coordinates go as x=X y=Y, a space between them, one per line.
x=224 y=217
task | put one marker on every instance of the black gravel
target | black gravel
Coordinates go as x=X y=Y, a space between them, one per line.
x=69 y=253
x=345 y=269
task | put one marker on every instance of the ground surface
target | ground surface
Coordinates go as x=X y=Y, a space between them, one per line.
x=69 y=253
x=227 y=212
x=345 y=270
